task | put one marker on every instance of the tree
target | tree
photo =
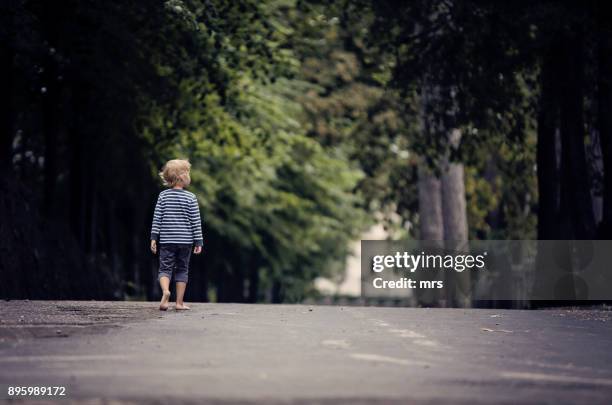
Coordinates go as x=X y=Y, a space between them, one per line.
x=103 y=94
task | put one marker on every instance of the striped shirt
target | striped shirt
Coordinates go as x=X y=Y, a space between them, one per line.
x=177 y=218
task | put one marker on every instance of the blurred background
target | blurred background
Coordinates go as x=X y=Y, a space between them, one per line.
x=310 y=125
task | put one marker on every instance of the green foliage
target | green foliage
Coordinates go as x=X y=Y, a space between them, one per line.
x=302 y=121
x=475 y=59
x=366 y=63
x=136 y=83
x=266 y=190
x=347 y=106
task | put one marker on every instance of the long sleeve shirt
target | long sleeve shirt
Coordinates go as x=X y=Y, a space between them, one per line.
x=177 y=218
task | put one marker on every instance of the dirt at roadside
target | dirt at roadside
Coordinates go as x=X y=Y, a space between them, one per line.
x=24 y=319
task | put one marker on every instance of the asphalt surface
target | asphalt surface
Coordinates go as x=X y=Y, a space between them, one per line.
x=124 y=352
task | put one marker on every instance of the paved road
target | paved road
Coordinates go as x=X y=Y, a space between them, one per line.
x=225 y=353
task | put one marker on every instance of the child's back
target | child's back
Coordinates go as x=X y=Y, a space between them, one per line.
x=177 y=218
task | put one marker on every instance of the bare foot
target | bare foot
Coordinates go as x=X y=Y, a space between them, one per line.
x=163 y=305
x=181 y=307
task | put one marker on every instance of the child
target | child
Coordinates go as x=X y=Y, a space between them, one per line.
x=177 y=228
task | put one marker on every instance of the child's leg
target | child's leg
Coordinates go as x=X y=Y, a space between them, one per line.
x=164 y=283
x=166 y=263
x=182 y=270
x=180 y=293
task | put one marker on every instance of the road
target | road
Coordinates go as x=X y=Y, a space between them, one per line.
x=296 y=354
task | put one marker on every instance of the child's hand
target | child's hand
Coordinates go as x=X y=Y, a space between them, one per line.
x=197 y=250
x=153 y=246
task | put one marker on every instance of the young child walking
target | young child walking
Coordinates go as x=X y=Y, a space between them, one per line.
x=176 y=229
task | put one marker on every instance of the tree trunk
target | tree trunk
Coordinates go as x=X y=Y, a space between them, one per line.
x=50 y=106
x=604 y=112
x=6 y=107
x=575 y=219
x=78 y=132
x=576 y=202
x=454 y=210
x=50 y=129
x=431 y=224
x=453 y=204
x=430 y=206
x=431 y=227
x=93 y=215
x=547 y=163
x=454 y=214
x=546 y=155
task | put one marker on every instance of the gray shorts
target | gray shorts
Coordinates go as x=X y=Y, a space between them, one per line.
x=174 y=257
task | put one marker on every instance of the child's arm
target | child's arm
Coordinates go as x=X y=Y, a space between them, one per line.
x=196 y=225
x=157 y=217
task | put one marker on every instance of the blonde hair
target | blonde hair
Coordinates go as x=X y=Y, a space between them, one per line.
x=176 y=171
